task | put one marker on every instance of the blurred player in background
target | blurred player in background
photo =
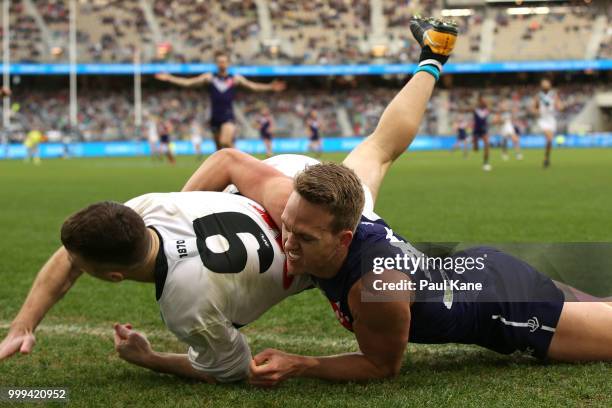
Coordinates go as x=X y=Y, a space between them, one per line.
x=265 y=123
x=480 y=130
x=66 y=139
x=221 y=90
x=4 y=134
x=461 y=127
x=196 y=137
x=510 y=131
x=32 y=141
x=546 y=106
x=165 y=128
x=312 y=126
x=153 y=137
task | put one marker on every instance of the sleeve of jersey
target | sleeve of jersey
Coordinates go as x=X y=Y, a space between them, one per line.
x=139 y=204
x=220 y=351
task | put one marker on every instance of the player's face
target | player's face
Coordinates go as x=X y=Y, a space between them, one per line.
x=545 y=84
x=222 y=63
x=308 y=241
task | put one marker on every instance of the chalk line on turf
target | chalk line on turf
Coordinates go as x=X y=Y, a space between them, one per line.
x=107 y=332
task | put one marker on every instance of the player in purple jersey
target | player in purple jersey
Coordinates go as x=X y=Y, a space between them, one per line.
x=265 y=124
x=461 y=127
x=165 y=129
x=330 y=232
x=221 y=87
x=313 y=127
x=481 y=129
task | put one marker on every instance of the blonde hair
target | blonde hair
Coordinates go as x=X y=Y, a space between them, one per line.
x=336 y=188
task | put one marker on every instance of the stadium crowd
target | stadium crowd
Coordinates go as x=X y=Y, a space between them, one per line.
x=317 y=32
x=109 y=114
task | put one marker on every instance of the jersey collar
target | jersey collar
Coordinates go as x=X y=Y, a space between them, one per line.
x=161 y=267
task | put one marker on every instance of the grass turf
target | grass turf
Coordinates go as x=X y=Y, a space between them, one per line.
x=429 y=196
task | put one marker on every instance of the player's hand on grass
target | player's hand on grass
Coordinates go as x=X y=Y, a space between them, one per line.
x=131 y=345
x=19 y=339
x=271 y=367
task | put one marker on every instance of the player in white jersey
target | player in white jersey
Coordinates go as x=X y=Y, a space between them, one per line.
x=220 y=266
x=546 y=105
x=509 y=131
x=130 y=250
x=216 y=262
x=153 y=138
x=196 y=138
x=461 y=126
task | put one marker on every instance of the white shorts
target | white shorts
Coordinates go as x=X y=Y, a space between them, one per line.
x=196 y=140
x=547 y=124
x=291 y=164
x=508 y=130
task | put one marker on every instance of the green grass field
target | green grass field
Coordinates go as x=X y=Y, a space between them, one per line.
x=432 y=196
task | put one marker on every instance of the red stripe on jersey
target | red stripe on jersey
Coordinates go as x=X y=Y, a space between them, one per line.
x=344 y=321
x=287 y=280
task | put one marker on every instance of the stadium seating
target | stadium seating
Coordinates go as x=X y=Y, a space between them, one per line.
x=542 y=37
x=26 y=39
x=198 y=29
x=322 y=31
x=111 y=30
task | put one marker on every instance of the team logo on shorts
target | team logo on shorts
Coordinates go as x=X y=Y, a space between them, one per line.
x=533 y=324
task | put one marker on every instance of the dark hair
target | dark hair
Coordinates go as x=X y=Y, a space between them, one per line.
x=335 y=187
x=106 y=232
x=221 y=54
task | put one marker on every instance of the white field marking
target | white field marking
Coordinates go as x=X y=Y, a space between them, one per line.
x=276 y=339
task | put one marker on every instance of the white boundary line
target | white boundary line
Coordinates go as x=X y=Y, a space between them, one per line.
x=273 y=339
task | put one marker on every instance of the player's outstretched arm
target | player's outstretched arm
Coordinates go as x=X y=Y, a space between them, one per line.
x=254 y=179
x=276 y=86
x=185 y=82
x=402 y=118
x=53 y=281
x=134 y=348
x=381 y=342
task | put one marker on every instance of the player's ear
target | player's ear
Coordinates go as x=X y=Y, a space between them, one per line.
x=346 y=237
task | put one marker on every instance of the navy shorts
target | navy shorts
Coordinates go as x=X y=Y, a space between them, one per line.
x=517 y=309
x=216 y=123
x=479 y=133
x=462 y=134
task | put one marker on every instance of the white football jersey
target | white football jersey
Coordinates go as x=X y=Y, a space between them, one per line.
x=221 y=267
x=153 y=137
x=547 y=104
